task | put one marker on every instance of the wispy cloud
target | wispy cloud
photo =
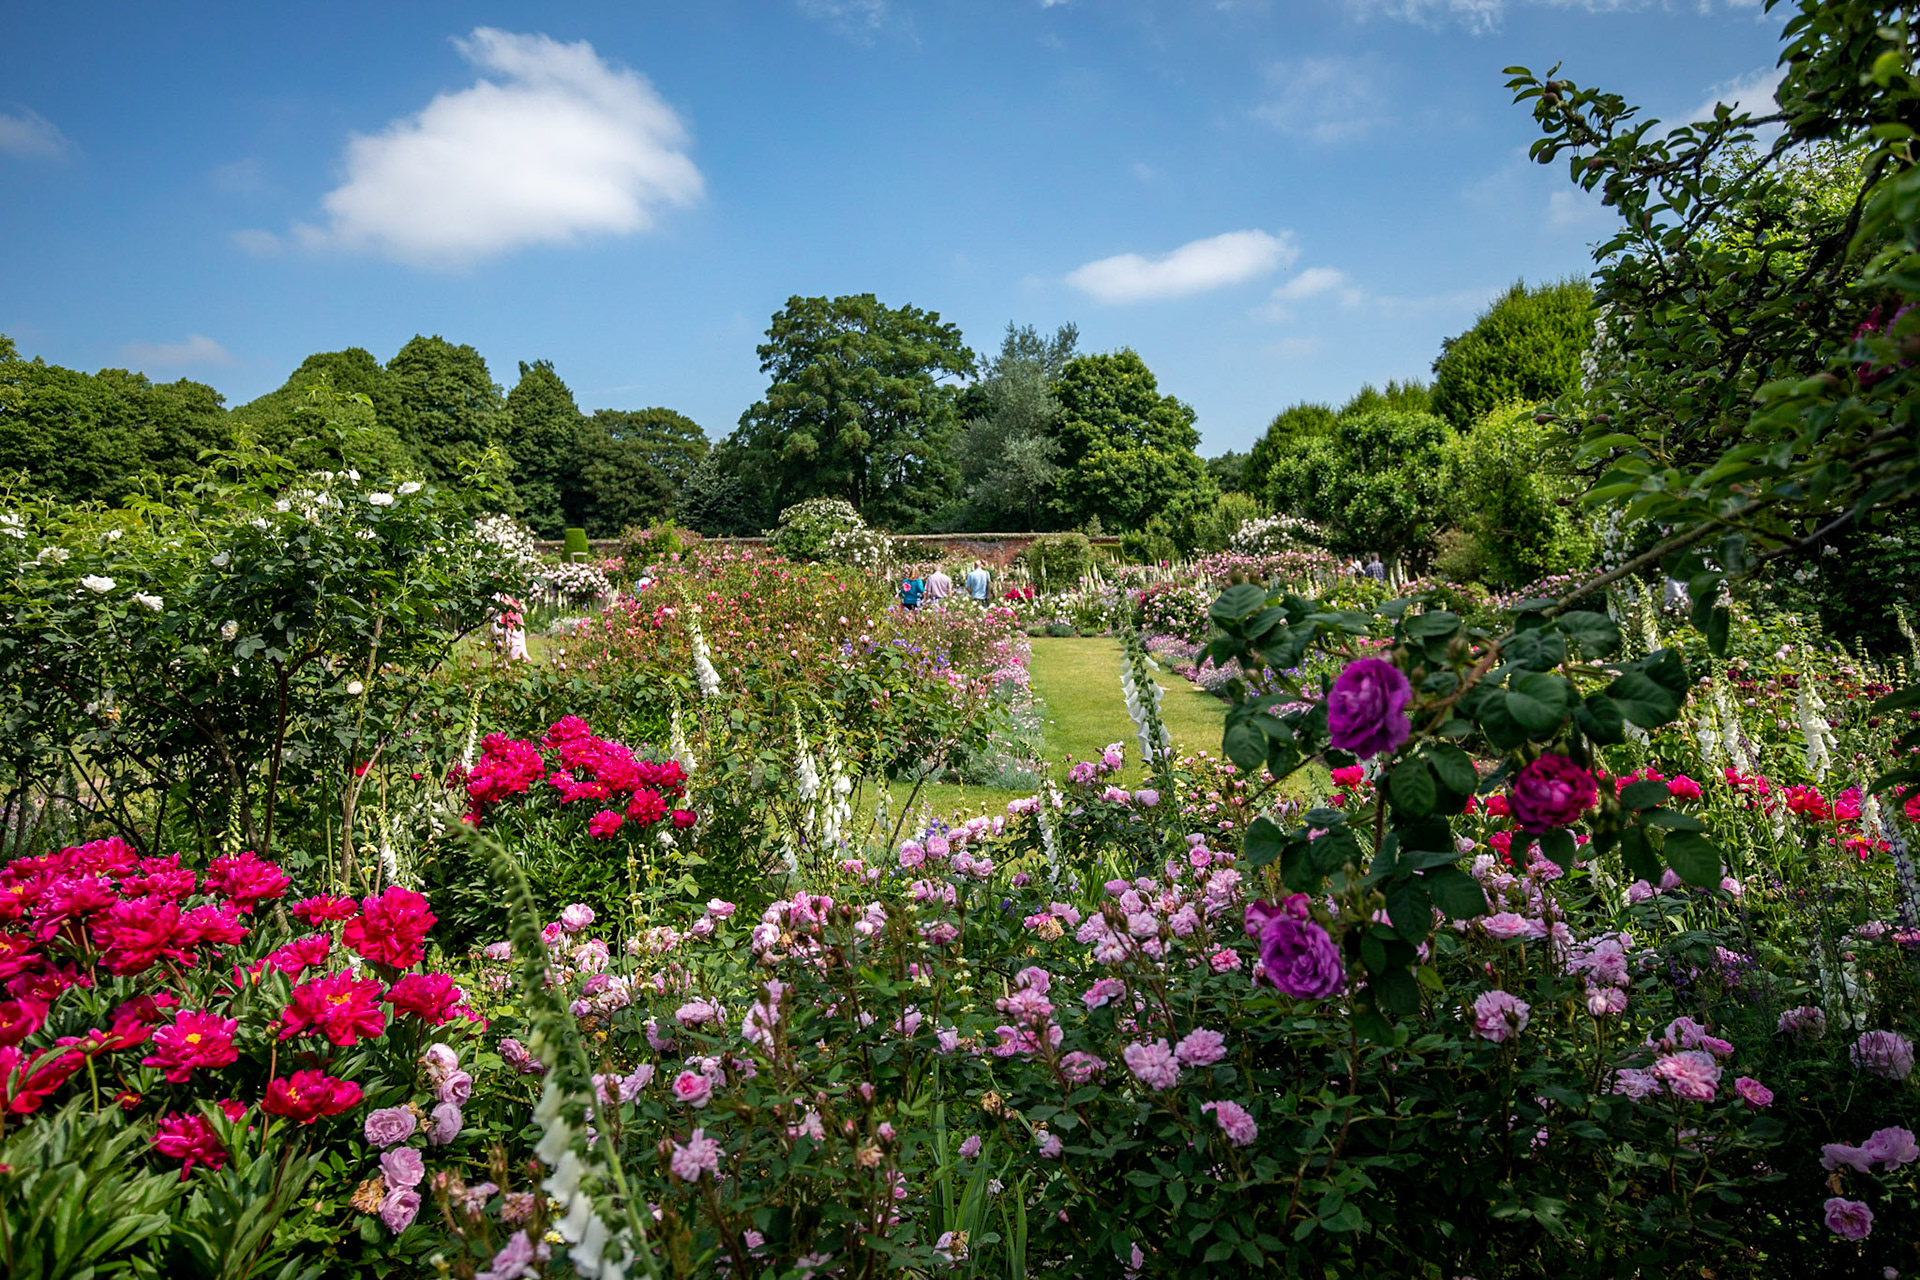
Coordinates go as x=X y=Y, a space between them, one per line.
x=1314 y=282
x=1194 y=267
x=856 y=19
x=198 y=351
x=553 y=144
x=1482 y=16
x=1326 y=100
x=31 y=136
x=1751 y=93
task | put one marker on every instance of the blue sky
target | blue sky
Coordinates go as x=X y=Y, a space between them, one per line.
x=1269 y=201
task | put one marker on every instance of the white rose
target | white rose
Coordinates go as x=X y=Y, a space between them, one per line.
x=154 y=603
x=222 y=560
x=97 y=584
x=353 y=475
x=113 y=535
x=411 y=486
x=380 y=499
x=53 y=555
x=228 y=630
x=355 y=688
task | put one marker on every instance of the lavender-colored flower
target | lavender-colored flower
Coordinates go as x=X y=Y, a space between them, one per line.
x=1367 y=710
x=700 y=1155
x=1152 y=1064
x=1806 y=1023
x=1079 y=1067
x=1849 y=1219
x=1690 y=1074
x=447 y=1123
x=1635 y=1083
x=1201 y=1048
x=1891 y=1148
x=1146 y=797
x=516 y=1258
x=1048 y=1143
x=389 y=1126
x=402 y=1167
x=520 y=1058
x=576 y=917
x=399 y=1209
x=1299 y=958
x=1752 y=1092
x=455 y=1087
x=1887 y=1054
x=1234 y=1122
x=1499 y=1015
x=971 y=1147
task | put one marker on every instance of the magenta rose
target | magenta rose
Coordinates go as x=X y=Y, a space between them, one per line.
x=1367 y=710
x=1299 y=958
x=1551 y=792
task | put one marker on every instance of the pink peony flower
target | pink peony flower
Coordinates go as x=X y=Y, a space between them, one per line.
x=190 y=1140
x=605 y=824
x=391 y=929
x=193 y=1040
x=1499 y=1015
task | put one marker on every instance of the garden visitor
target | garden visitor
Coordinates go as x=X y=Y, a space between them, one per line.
x=1376 y=570
x=911 y=589
x=978 y=583
x=939 y=586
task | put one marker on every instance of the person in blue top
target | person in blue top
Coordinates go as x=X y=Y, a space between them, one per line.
x=978 y=583
x=911 y=589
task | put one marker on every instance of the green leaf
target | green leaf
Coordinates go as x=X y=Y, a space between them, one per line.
x=1413 y=788
x=1454 y=768
x=1399 y=991
x=1642 y=700
x=1672 y=820
x=1410 y=907
x=1898 y=700
x=1265 y=842
x=1236 y=604
x=1455 y=892
x=1636 y=853
x=1246 y=746
x=1644 y=795
x=1537 y=702
x=1594 y=634
x=1537 y=650
x=1599 y=718
x=1332 y=851
x=1433 y=623
x=1693 y=858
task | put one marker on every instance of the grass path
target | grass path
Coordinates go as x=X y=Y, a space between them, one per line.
x=1079 y=681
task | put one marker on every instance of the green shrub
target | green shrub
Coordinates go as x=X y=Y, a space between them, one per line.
x=1508 y=478
x=642 y=545
x=807 y=528
x=1058 y=560
x=1526 y=346
x=1374 y=481
x=577 y=544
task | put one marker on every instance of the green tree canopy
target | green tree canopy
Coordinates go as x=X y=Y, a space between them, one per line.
x=1126 y=450
x=856 y=409
x=1509 y=483
x=448 y=408
x=634 y=464
x=94 y=437
x=285 y=421
x=543 y=437
x=1292 y=424
x=1007 y=455
x=1526 y=346
x=1374 y=480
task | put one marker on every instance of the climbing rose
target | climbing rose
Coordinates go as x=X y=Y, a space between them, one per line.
x=1499 y=1015
x=306 y=1096
x=1551 y=792
x=1887 y=1054
x=402 y=1167
x=1691 y=1073
x=700 y=1155
x=399 y=1208
x=194 y=1040
x=1201 y=1048
x=1298 y=957
x=1367 y=710
x=1234 y=1122
x=392 y=928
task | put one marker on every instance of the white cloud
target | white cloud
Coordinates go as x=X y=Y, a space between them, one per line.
x=1194 y=267
x=257 y=242
x=858 y=19
x=31 y=136
x=1751 y=93
x=197 y=350
x=558 y=145
x=1314 y=282
x=1326 y=100
x=1482 y=16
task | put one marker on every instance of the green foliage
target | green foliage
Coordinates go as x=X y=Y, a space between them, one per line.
x=447 y=407
x=635 y=465
x=1007 y=456
x=1510 y=487
x=714 y=500
x=1289 y=427
x=94 y=438
x=1527 y=346
x=575 y=540
x=1399 y=397
x=1126 y=450
x=285 y=421
x=73 y=1204
x=542 y=430
x=1212 y=528
x=1057 y=560
x=1375 y=481
x=856 y=410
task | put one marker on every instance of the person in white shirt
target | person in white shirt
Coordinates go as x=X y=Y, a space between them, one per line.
x=978 y=583
x=939 y=587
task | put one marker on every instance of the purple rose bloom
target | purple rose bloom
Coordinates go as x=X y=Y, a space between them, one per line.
x=1887 y=1054
x=1367 y=710
x=447 y=1122
x=1300 y=959
x=1849 y=1219
x=389 y=1125
x=1551 y=792
x=399 y=1208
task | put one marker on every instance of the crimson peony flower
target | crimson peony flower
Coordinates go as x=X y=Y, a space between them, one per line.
x=683 y=818
x=195 y=1039
x=605 y=824
x=110 y=857
x=307 y=1096
x=646 y=807
x=20 y=1019
x=245 y=880
x=190 y=1140
x=216 y=924
x=1551 y=792
x=338 y=1006
x=1367 y=710
x=323 y=908
x=134 y=933
x=431 y=997
x=301 y=954
x=26 y=1081
x=391 y=929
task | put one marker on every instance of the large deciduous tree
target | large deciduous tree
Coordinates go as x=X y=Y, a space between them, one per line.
x=1126 y=450
x=634 y=465
x=286 y=420
x=1374 y=480
x=543 y=437
x=1007 y=456
x=447 y=408
x=857 y=409
x=1526 y=346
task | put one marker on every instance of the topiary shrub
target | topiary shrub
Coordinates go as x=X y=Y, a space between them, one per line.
x=577 y=544
x=807 y=528
x=1058 y=560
